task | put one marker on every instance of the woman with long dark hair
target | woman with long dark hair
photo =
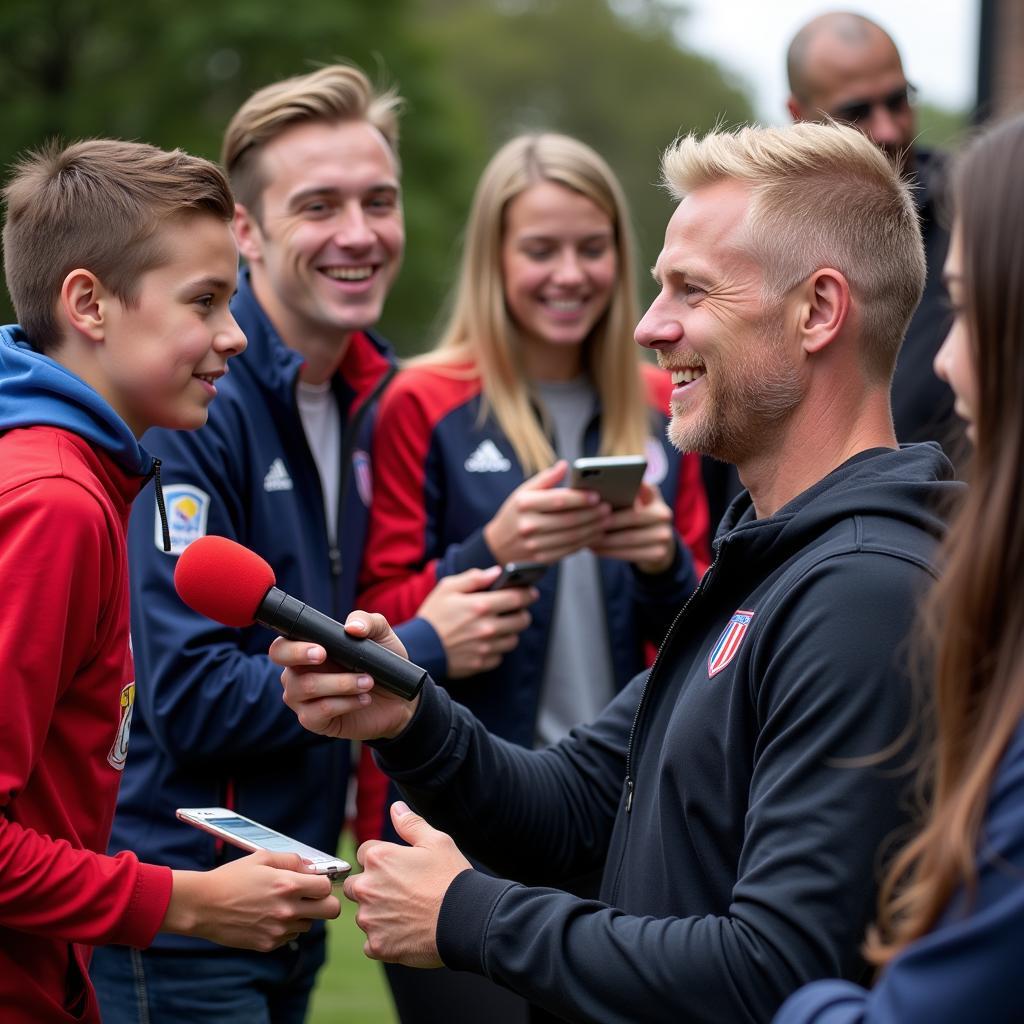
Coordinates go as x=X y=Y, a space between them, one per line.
x=950 y=933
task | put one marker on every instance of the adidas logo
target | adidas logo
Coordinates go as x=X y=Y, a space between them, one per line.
x=277 y=478
x=487 y=459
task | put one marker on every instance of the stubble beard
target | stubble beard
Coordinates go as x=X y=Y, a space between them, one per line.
x=746 y=406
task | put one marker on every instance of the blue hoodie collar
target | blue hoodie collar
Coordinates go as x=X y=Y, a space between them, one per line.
x=36 y=390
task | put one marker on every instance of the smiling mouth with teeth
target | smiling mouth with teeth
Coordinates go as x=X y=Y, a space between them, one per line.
x=209 y=378
x=347 y=273
x=687 y=376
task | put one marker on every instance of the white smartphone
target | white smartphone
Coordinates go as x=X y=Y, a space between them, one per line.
x=615 y=477
x=251 y=835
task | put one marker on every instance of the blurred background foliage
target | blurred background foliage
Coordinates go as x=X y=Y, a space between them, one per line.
x=474 y=72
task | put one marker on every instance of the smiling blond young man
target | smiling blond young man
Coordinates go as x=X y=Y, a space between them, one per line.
x=735 y=797
x=120 y=262
x=283 y=467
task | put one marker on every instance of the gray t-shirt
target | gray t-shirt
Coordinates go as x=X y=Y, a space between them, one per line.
x=321 y=421
x=578 y=678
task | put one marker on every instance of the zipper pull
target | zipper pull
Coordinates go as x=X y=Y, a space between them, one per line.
x=629 y=794
x=161 y=507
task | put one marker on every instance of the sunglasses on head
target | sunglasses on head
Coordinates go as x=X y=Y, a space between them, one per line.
x=856 y=111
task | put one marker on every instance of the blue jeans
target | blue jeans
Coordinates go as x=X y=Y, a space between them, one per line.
x=174 y=986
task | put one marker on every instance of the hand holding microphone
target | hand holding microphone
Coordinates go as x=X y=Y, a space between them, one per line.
x=231 y=584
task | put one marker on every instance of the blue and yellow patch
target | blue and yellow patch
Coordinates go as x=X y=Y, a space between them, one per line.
x=188 y=509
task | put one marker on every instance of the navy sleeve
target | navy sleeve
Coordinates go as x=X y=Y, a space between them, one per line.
x=187 y=664
x=968 y=967
x=658 y=598
x=423 y=646
x=471 y=553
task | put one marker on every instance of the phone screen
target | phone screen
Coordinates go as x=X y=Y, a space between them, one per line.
x=252 y=835
x=263 y=837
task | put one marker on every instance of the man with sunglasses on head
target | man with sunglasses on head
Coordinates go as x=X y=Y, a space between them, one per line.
x=846 y=67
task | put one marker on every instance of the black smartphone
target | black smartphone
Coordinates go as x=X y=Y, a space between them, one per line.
x=519 y=574
x=616 y=478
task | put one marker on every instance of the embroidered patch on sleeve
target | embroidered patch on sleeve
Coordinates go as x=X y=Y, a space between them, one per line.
x=657 y=462
x=119 y=751
x=364 y=476
x=729 y=642
x=187 y=511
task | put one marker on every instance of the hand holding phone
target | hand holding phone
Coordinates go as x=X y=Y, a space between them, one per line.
x=642 y=534
x=519 y=574
x=616 y=478
x=249 y=835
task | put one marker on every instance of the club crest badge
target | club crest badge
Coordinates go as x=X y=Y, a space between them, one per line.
x=187 y=511
x=729 y=642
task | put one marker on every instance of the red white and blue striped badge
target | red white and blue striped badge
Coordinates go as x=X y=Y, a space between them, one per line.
x=729 y=642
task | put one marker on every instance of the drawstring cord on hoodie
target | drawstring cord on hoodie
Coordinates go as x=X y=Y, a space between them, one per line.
x=161 y=507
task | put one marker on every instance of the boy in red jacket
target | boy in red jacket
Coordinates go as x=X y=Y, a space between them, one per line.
x=120 y=262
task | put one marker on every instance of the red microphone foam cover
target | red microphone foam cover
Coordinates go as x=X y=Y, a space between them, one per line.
x=222 y=580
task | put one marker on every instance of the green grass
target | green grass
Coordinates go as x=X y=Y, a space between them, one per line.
x=350 y=988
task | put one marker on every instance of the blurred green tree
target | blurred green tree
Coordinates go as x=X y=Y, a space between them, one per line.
x=173 y=73
x=614 y=74
x=474 y=72
x=941 y=127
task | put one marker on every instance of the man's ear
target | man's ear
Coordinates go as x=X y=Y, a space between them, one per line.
x=795 y=109
x=824 y=310
x=85 y=303
x=248 y=233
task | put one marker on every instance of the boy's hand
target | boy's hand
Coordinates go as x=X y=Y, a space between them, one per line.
x=342 y=705
x=258 y=902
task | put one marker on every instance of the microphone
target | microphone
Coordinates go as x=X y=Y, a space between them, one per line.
x=230 y=584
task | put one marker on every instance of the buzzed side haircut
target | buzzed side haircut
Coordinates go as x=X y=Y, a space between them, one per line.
x=329 y=95
x=822 y=195
x=97 y=205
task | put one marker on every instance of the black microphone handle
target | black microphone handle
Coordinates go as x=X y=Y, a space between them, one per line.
x=297 y=621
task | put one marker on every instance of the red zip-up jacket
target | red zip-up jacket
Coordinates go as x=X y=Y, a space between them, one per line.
x=67 y=689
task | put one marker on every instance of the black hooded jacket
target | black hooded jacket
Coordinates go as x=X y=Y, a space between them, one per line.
x=726 y=795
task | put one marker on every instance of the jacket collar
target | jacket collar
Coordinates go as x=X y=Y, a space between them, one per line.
x=275 y=365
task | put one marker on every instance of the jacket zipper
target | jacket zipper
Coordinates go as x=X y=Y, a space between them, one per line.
x=630 y=782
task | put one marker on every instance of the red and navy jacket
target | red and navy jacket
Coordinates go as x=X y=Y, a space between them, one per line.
x=210 y=728
x=441 y=473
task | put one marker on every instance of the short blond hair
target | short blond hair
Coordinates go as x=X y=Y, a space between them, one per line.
x=339 y=92
x=823 y=195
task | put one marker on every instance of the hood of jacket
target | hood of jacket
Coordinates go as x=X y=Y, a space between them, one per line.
x=36 y=390
x=914 y=484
